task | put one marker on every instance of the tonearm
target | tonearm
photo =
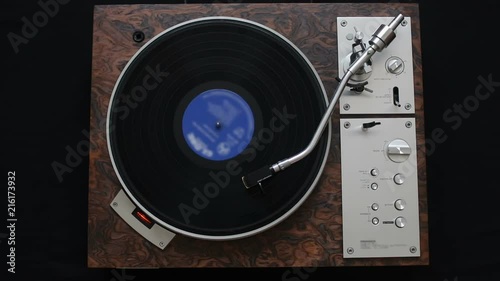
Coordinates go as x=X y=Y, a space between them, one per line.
x=380 y=39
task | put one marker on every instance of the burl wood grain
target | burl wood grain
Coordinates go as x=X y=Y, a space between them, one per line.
x=312 y=236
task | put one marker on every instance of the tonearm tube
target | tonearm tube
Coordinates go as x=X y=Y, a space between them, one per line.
x=380 y=39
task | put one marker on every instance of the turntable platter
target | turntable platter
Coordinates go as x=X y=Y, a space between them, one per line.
x=201 y=104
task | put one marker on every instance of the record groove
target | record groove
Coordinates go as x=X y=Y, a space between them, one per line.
x=165 y=177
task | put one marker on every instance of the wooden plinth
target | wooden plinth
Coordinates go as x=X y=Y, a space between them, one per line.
x=312 y=236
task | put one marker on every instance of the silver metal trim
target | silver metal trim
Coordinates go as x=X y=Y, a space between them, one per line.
x=157 y=235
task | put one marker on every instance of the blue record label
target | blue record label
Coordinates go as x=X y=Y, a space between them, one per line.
x=218 y=124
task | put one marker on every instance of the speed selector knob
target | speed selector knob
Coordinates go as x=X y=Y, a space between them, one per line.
x=398 y=150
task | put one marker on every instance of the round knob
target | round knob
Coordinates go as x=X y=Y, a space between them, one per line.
x=394 y=65
x=400 y=204
x=399 y=179
x=398 y=150
x=400 y=222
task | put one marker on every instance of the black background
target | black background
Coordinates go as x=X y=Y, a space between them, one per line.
x=45 y=99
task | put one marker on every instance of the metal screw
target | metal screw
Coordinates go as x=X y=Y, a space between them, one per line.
x=407 y=106
x=347 y=124
x=347 y=106
x=408 y=124
x=350 y=251
x=343 y=23
x=115 y=204
x=404 y=23
x=138 y=36
x=413 y=249
x=161 y=244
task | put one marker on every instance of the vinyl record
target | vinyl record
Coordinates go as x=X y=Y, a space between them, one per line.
x=202 y=104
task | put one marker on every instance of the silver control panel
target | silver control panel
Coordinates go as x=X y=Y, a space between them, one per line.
x=379 y=170
x=388 y=75
x=379 y=187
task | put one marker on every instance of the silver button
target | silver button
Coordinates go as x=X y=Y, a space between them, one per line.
x=374 y=186
x=374 y=172
x=400 y=204
x=375 y=206
x=400 y=222
x=399 y=179
x=375 y=221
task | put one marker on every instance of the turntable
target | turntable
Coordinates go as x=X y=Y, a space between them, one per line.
x=257 y=135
